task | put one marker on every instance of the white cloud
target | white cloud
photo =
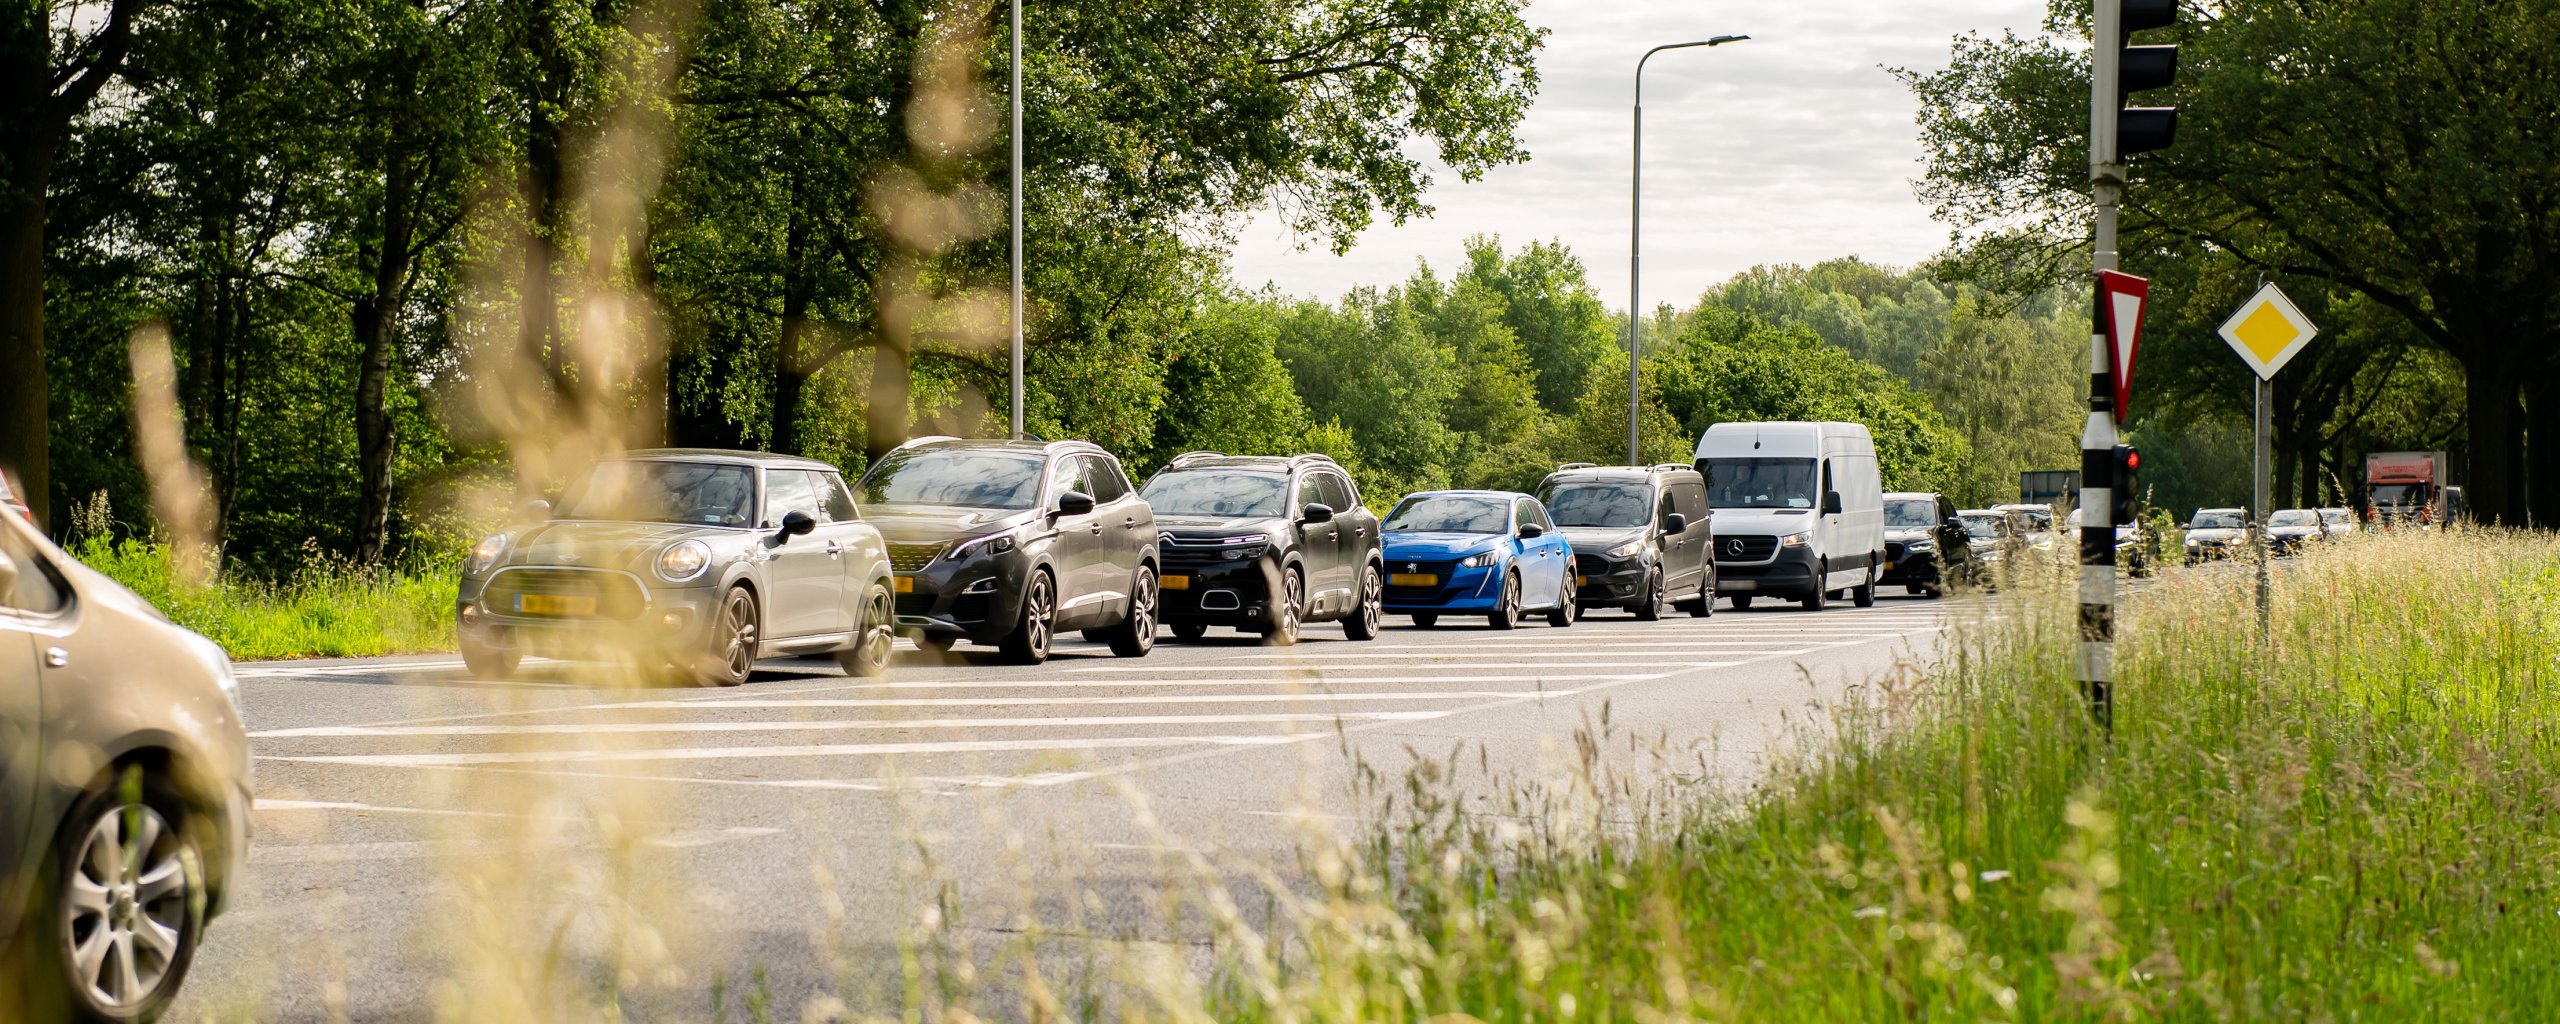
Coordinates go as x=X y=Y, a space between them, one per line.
x=1792 y=147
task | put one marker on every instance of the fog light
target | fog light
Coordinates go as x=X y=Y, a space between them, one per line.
x=984 y=586
x=672 y=620
x=470 y=612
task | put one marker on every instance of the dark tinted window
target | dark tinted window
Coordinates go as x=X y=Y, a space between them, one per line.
x=1597 y=504
x=1215 y=492
x=1690 y=498
x=1450 y=513
x=1911 y=513
x=1334 y=491
x=1068 y=475
x=835 y=504
x=954 y=476
x=2211 y=520
x=708 y=493
x=1760 y=483
x=1532 y=512
x=1103 y=475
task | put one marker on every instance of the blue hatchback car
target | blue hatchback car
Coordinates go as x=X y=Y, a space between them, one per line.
x=1490 y=553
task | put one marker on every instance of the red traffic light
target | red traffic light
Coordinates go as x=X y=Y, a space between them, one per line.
x=2133 y=460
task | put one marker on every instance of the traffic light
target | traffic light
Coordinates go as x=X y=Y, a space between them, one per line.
x=2120 y=489
x=2138 y=68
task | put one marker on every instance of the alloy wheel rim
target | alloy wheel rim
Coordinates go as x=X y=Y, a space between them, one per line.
x=125 y=908
x=741 y=653
x=1369 y=598
x=1511 y=598
x=877 y=641
x=1142 y=619
x=1295 y=594
x=1039 y=617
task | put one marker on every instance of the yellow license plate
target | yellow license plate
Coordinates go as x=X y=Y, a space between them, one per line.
x=1413 y=579
x=1581 y=580
x=555 y=604
x=906 y=584
x=1888 y=567
x=1177 y=582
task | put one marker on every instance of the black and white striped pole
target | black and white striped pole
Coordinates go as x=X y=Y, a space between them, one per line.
x=2115 y=132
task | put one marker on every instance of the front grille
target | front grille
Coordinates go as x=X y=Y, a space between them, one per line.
x=1894 y=550
x=911 y=557
x=617 y=595
x=914 y=604
x=1444 y=570
x=1590 y=565
x=1745 y=548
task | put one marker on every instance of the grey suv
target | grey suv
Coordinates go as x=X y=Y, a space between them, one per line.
x=1265 y=544
x=703 y=560
x=1640 y=536
x=1011 y=542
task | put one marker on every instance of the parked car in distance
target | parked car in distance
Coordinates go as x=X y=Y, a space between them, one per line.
x=1799 y=510
x=124 y=791
x=2038 y=522
x=2337 y=522
x=2216 y=533
x=1917 y=552
x=1265 y=544
x=698 y=560
x=1493 y=553
x=2133 y=543
x=1011 y=542
x=1640 y=536
x=2290 y=528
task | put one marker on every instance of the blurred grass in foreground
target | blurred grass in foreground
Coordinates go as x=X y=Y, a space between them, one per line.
x=331 y=608
x=2355 y=820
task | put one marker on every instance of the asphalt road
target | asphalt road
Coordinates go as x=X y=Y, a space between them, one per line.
x=414 y=824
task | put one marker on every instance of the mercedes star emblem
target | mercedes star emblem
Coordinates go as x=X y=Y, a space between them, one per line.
x=1733 y=547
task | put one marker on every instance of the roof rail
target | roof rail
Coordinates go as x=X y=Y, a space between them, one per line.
x=1577 y=465
x=1673 y=465
x=913 y=441
x=1188 y=456
x=1315 y=457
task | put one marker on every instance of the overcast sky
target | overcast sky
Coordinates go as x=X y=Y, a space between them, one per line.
x=1792 y=147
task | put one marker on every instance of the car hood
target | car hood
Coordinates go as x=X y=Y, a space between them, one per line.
x=1910 y=536
x=1599 y=538
x=2216 y=535
x=2292 y=531
x=602 y=545
x=1216 y=526
x=1771 y=522
x=1438 y=545
x=935 y=524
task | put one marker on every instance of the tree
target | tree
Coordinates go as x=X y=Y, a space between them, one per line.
x=1548 y=303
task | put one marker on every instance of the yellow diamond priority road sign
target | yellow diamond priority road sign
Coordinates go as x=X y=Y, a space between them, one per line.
x=2268 y=331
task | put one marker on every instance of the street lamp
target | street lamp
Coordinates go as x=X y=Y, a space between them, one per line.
x=1016 y=138
x=1635 y=251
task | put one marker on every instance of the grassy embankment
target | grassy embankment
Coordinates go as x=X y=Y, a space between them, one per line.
x=2357 y=819
x=330 y=608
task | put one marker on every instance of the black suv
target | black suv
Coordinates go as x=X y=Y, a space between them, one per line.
x=1640 y=536
x=1924 y=543
x=1010 y=542
x=1265 y=544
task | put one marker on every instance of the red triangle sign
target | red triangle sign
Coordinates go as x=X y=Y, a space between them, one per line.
x=2120 y=301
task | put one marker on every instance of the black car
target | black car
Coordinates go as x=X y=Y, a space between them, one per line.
x=1265 y=544
x=1640 y=536
x=1920 y=547
x=1011 y=542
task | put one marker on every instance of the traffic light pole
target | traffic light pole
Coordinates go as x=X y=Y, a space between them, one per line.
x=2098 y=438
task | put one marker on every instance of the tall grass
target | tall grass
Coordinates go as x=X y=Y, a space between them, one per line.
x=2356 y=818
x=331 y=607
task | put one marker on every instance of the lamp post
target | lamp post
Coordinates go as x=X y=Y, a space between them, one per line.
x=1635 y=252
x=1016 y=139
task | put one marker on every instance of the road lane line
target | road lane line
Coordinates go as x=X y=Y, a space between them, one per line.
x=465 y=760
x=625 y=728
x=1146 y=698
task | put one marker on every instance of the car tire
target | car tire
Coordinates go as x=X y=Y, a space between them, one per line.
x=1033 y=631
x=1289 y=613
x=1426 y=620
x=1363 y=623
x=735 y=633
x=1135 y=635
x=1188 y=631
x=1818 y=598
x=1649 y=607
x=489 y=661
x=167 y=900
x=876 y=643
x=1567 y=609
x=1864 y=594
x=1742 y=602
x=1506 y=609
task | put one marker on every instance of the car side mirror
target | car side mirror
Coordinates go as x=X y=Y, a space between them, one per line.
x=1316 y=512
x=795 y=524
x=534 y=511
x=1075 y=503
x=1831 y=503
x=1675 y=523
x=8 y=578
x=1532 y=531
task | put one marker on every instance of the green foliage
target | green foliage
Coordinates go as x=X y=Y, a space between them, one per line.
x=1730 y=367
x=329 y=608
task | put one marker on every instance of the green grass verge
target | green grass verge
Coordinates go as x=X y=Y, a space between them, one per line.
x=2358 y=819
x=332 y=609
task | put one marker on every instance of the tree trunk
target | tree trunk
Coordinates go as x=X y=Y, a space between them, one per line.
x=376 y=320
x=2542 y=452
x=2496 y=475
x=24 y=398
x=884 y=416
x=790 y=365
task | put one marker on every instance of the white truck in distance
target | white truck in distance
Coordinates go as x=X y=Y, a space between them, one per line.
x=1799 y=511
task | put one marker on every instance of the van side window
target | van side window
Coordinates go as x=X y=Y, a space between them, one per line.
x=1691 y=499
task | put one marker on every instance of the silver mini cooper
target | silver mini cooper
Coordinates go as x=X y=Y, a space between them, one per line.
x=700 y=560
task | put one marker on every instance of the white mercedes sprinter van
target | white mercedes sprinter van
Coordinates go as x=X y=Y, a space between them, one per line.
x=1799 y=511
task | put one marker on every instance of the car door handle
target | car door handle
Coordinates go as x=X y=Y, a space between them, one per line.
x=1097 y=529
x=55 y=657
x=835 y=549
x=1131 y=522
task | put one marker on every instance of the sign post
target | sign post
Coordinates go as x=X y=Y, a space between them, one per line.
x=2267 y=331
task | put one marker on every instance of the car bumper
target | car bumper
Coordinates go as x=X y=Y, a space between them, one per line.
x=1789 y=574
x=1234 y=593
x=1618 y=583
x=1913 y=568
x=670 y=618
x=979 y=599
x=1465 y=590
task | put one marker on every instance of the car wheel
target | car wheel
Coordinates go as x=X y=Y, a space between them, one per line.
x=1742 y=602
x=1187 y=631
x=122 y=909
x=1287 y=613
x=1363 y=623
x=1814 y=602
x=1136 y=635
x=1506 y=613
x=869 y=656
x=1567 y=609
x=489 y=661
x=1426 y=620
x=1649 y=608
x=1028 y=644
x=733 y=641
x=1864 y=594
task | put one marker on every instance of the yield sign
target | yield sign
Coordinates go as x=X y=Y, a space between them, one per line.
x=2120 y=301
x=2268 y=331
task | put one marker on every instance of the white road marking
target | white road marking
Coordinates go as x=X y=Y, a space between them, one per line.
x=1220 y=667
x=1513 y=661
x=595 y=728
x=1148 y=698
x=460 y=760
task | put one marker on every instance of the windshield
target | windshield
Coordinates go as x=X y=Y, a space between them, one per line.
x=2335 y=515
x=1981 y=527
x=1210 y=493
x=1910 y=514
x=2209 y=519
x=1760 y=483
x=2039 y=517
x=1594 y=504
x=954 y=476
x=2294 y=517
x=2399 y=494
x=707 y=493
x=1450 y=513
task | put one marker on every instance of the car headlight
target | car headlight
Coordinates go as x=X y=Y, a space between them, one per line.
x=1480 y=559
x=1627 y=550
x=484 y=555
x=1795 y=540
x=1253 y=550
x=684 y=561
x=992 y=544
x=1920 y=547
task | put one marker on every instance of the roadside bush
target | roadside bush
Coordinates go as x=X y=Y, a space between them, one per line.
x=331 y=607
